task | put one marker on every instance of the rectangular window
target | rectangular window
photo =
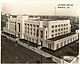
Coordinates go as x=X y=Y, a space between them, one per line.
x=46 y=34
x=58 y=25
x=52 y=26
x=25 y=24
x=61 y=24
x=49 y=46
x=19 y=26
x=55 y=25
x=64 y=28
x=71 y=39
x=56 y=34
x=64 y=32
x=52 y=35
x=34 y=33
x=58 y=29
x=57 y=46
x=55 y=30
x=37 y=26
x=32 y=39
x=61 y=32
x=64 y=24
x=34 y=25
x=37 y=33
x=31 y=33
x=61 y=28
x=44 y=26
x=41 y=34
x=68 y=41
x=64 y=42
x=25 y=31
x=52 y=31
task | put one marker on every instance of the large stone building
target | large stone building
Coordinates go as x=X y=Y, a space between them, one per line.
x=52 y=34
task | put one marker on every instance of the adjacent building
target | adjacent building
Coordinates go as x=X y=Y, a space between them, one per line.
x=52 y=34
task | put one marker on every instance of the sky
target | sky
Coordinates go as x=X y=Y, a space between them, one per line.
x=39 y=7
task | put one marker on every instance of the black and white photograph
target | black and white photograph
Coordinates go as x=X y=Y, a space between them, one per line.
x=40 y=32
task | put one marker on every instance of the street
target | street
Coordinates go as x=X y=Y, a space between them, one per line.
x=11 y=52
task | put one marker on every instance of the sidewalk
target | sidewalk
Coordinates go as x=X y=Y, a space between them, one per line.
x=38 y=50
x=46 y=55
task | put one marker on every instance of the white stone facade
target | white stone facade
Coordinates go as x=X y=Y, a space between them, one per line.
x=40 y=32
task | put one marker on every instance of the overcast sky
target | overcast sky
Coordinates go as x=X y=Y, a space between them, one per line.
x=39 y=7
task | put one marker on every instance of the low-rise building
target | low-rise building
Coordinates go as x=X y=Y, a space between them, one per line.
x=51 y=34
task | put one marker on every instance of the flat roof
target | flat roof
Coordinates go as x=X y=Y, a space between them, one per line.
x=61 y=36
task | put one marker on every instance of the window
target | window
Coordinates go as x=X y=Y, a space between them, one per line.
x=55 y=25
x=57 y=46
x=31 y=29
x=31 y=33
x=37 y=33
x=34 y=26
x=58 y=25
x=64 y=28
x=32 y=39
x=68 y=41
x=28 y=24
x=41 y=43
x=41 y=34
x=58 y=29
x=55 y=30
x=61 y=24
x=64 y=24
x=52 y=26
x=49 y=46
x=64 y=32
x=28 y=28
x=61 y=44
x=37 y=26
x=56 y=34
x=61 y=28
x=44 y=26
x=64 y=42
x=29 y=39
x=25 y=31
x=61 y=32
x=34 y=33
x=46 y=34
x=19 y=35
x=34 y=30
x=52 y=31
x=52 y=35
x=25 y=28
x=19 y=26
x=25 y=24
x=71 y=39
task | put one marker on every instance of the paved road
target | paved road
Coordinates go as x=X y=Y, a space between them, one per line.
x=13 y=52
x=37 y=51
